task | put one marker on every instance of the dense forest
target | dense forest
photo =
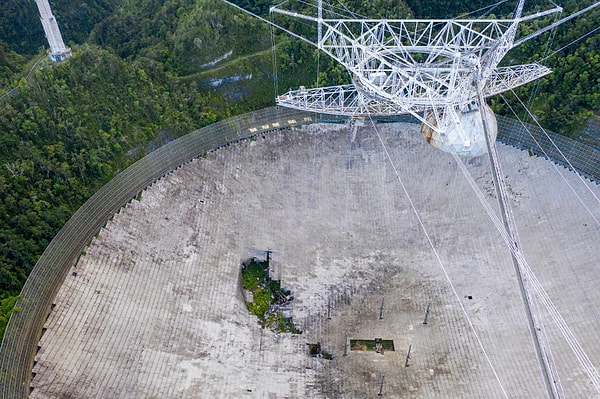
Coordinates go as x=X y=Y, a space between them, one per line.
x=148 y=71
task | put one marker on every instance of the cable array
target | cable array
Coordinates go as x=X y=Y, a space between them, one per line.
x=488 y=9
x=274 y=57
x=570 y=44
x=532 y=281
x=438 y=258
x=581 y=178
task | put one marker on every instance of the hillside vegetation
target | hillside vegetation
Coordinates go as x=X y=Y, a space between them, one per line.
x=565 y=100
x=148 y=71
x=142 y=73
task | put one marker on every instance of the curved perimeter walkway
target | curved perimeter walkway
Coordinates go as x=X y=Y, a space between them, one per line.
x=153 y=309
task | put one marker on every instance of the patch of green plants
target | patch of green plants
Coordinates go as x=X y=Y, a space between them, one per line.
x=268 y=297
x=371 y=344
x=254 y=273
x=261 y=302
x=7 y=307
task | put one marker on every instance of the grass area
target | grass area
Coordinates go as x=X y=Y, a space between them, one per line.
x=268 y=298
x=254 y=273
x=371 y=344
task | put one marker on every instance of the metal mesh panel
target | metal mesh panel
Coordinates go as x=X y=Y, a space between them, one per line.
x=581 y=157
x=23 y=331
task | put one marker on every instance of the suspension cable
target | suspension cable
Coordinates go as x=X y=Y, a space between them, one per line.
x=438 y=258
x=491 y=8
x=351 y=13
x=510 y=229
x=508 y=232
x=536 y=85
x=319 y=36
x=534 y=283
x=570 y=44
x=560 y=152
x=274 y=58
x=551 y=26
x=289 y=32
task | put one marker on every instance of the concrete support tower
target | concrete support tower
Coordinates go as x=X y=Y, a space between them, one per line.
x=58 y=51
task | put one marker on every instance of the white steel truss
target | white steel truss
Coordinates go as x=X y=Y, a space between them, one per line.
x=428 y=68
x=348 y=100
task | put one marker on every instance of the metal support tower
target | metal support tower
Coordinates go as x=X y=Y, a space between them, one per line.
x=58 y=51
